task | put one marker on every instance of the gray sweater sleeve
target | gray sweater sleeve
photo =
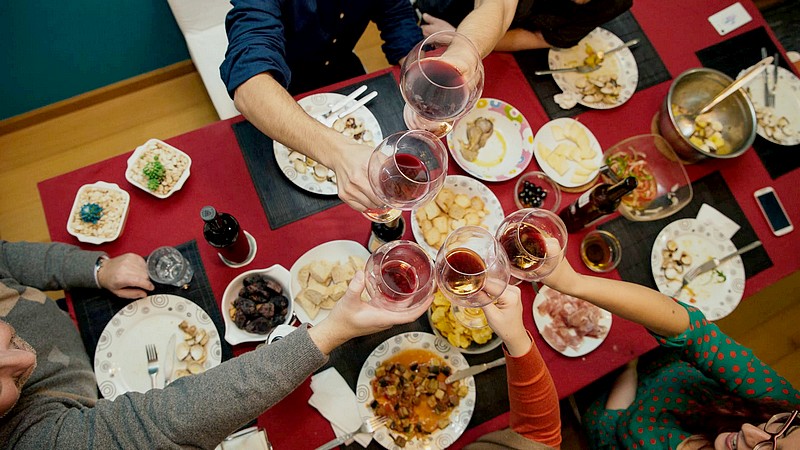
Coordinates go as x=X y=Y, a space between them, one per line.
x=47 y=266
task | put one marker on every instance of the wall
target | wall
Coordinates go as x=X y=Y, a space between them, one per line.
x=52 y=50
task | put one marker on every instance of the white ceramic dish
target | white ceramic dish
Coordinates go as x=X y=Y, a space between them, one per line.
x=459 y=417
x=460 y=184
x=621 y=64
x=235 y=335
x=332 y=252
x=588 y=344
x=546 y=137
x=120 y=364
x=148 y=146
x=118 y=211
x=507 y=152
x=315 y=105
x=474 y=348
x=787 y=101
x=708 y=292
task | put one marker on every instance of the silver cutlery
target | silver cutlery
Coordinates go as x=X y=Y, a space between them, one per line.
x=585 y=68
x=361 y=102
x=170 y=360
x=767 y=97
x=712 y=264
x=152 y=363
x=774 y=81
x=474 y=370
x=342 y=103
x=369 y=426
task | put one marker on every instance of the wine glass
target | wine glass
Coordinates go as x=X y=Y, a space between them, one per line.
x=406 y=169
x=472 y=270
x=399 y=275
x=534 y=240
x=441 y=79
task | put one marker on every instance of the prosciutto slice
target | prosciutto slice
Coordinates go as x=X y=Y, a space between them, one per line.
x=573 y=319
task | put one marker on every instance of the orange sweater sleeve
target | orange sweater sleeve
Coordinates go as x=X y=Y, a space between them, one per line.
x=533 y=398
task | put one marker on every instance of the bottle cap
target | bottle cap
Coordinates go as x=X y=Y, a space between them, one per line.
x=208 y=213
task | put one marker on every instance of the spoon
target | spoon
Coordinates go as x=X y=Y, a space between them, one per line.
x=586 y=68
x=685 y=122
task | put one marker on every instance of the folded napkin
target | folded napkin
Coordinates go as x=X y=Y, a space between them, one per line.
x=566 y=100
x=715 y=219
x=337 y=403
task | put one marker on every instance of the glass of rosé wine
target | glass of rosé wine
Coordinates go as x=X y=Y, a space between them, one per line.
x=440 y=80
x=399 y=275
x=472 y=271
x=534 y=240
x=406 y=169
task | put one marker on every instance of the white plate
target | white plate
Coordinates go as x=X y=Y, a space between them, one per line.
x=715 y=299
x=120 y=363
x=460 y=416
x=138 y=153
x=587 y=345
x=471 y=187
x=235 y=335
x=76 y=207
x=620 y=63
x=474 y=348
x=507 y=152
x=315 y=105
x=545 y=136
x=787 y=100
x=332 y=251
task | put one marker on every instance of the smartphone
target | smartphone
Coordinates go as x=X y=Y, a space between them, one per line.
x=773 y=211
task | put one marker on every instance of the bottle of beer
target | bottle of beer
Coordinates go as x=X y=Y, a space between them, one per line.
x=223 y=232
x=385 y=232
x=595 y=203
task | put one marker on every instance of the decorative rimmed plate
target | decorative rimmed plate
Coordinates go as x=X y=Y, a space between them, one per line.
x=621 y=64
x=572 y=177
x=507 y=152
x=714 y=294
x=460 y=184
x=459 y=417
x=120 y=363
x=587 y=345
x=332 y=252
x=315 y=105
x=787 y=103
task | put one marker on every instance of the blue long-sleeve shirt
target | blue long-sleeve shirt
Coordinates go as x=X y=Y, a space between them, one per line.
x=305 y=44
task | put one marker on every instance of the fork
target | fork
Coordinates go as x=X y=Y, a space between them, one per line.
x=369 y=426
x=586 y=68
x=152 y=363
x=713 y=263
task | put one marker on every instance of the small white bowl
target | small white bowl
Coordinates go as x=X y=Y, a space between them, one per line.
x=121 y=213
x=235 y=335
x=130 y=173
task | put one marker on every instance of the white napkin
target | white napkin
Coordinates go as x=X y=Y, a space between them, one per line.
x=249 y=439
x=715 y=219
x=566 y=100
x=337 y=403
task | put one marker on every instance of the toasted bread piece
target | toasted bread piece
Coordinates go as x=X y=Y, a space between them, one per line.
x=342 y=272
x=321 y=271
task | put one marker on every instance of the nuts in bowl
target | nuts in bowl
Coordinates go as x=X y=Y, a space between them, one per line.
x=158 y=168
x=99 y=212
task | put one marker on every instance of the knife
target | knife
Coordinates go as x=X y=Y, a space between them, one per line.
x=716 y=262
x=766 y=79
x=361 y=102
x=169 y=360
x=474 y=370
x=342 y=103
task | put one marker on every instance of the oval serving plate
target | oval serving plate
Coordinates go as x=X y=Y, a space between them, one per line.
x=575 y=169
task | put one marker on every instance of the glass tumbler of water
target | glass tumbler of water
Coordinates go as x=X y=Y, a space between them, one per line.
x=166 y=265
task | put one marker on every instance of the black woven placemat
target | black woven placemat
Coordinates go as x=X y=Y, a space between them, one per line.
x=651 y=68
x=731 y=57
x=637 y=238
x=282 y=200
x=491 y=387
x=94 y=308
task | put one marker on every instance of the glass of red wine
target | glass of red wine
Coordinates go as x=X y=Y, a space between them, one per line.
x=399 y=275
x=406 y=169
x=472 y=271
x=534 y=240
x=441 y=79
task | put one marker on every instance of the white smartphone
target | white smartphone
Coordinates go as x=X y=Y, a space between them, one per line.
x=773 y=211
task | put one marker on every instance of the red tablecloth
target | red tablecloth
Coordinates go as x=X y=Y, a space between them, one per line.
x=220 y=178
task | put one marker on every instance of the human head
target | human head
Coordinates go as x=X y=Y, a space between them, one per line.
x=749 y=436
x=17 y=361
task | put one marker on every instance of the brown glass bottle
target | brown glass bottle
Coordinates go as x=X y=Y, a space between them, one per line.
x=595 y=203
x=223 y=232
x=385 y=232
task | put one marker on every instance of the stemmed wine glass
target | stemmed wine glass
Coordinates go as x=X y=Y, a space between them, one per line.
x=399 y=275
x=534 y=240
x=406 y=169
x=441 y=79
x=472 y=270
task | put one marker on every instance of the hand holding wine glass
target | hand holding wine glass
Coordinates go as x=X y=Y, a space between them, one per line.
x=399 y=276
x=406 y=169
x=471 y=271
x=534 y=240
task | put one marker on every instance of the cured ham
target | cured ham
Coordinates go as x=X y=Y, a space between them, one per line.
x=573 y=319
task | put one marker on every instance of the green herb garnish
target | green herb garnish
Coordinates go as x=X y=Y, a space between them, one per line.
x=155 y=173
x=720 y=275
x=91 y=212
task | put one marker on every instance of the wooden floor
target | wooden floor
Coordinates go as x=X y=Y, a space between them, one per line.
x=766 y=322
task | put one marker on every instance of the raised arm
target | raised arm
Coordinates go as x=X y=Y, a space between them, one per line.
x=487 y=23
x=640 y=304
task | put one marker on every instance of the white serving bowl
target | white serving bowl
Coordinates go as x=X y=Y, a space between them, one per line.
x=235 y=335
x=130 y=172
x=117 y=214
